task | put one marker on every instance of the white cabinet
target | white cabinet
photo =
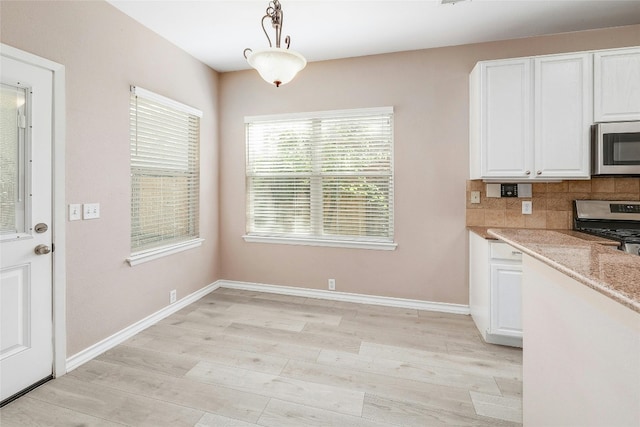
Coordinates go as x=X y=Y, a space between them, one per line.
x=530 y=118
x=506 y=298
x=495 y=286
x=617 y=85
x=563 y=111
x=501 y=135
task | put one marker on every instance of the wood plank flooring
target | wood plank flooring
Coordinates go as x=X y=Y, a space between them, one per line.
x=239 y=358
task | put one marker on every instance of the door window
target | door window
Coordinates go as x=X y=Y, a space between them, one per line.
x=13 y=160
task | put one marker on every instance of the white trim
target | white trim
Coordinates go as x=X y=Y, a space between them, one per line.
x=320 y=114
x=354 y=244
x=59 y=274
x=348 y=297
x=119 y=337
x=142 y=257
x=147 y=94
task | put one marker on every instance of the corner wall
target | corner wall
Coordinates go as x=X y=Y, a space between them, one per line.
x=105 y=51
x=429 y=91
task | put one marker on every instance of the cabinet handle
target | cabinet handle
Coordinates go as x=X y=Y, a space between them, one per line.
x=516 y=253
x=539 y=173
x=527 y=173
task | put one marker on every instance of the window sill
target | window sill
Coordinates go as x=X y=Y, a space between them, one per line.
x=150 y=255
x=353 y=244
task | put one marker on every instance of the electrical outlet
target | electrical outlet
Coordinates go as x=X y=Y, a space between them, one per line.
x=475 y=197
x=332 y=284
x=172 y=296
x=527 y=207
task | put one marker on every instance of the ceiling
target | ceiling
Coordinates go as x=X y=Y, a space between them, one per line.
x=217 y=31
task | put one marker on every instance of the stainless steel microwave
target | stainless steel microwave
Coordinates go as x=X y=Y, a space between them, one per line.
x=616 y=148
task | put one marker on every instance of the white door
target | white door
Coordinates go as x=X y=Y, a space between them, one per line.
x=617 y=85
x=563 y=111
x=506 y=117
x=26 y=332
x=506 y=299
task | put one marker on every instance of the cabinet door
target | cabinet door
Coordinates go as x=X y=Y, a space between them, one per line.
x=505 y=118
x=506 y=299
x=562 y=104
x=617 y=85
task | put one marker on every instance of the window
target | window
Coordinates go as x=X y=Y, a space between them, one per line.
x=165 y=182
x=14 y=157
x=321 y=178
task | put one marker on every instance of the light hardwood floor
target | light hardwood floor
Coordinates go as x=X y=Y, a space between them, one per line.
x=239 y=358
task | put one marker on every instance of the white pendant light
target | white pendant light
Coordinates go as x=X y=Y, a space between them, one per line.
x=276 y=65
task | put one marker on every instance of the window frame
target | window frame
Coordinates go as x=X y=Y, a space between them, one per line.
x=161 y=250
x=316 y=203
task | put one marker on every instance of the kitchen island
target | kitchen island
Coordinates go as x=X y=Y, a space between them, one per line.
x=581 y=322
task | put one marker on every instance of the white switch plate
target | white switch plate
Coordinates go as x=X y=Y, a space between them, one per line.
x=475 y=197
x=91 y=211
x=527 y=207
x=75 y=212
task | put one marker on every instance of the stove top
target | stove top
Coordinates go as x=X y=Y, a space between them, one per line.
x=621 y=235
x=615 y=220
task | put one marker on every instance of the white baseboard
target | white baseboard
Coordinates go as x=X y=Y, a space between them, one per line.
x=348 y=297
x=119 y=337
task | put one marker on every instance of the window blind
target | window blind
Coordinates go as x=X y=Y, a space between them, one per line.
x=321 y=175
x=165 y=181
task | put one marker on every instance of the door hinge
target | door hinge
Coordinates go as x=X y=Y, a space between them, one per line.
x=53 y=247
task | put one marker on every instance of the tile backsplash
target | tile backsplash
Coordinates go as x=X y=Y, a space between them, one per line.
x=552 y=207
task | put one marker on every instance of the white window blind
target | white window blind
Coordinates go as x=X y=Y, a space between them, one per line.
x=165 y=182
x=326 y=175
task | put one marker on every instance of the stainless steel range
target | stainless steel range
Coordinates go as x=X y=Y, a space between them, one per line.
x=615 y=220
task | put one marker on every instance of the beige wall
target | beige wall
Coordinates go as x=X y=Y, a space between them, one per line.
x=104 y=52
x=429 y=90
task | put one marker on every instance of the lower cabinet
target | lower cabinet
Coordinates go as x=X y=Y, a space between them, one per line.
x=495 y=290
x=506 y=298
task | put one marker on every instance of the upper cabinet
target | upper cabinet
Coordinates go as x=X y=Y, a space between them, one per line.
x=530 y=118
x=500 y=119
x=562 y=116
x=617 y=85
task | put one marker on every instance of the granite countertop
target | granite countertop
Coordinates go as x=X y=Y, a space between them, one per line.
x=483 y=232
x=607 y=270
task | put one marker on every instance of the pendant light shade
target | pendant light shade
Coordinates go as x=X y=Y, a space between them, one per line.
x=276 y=65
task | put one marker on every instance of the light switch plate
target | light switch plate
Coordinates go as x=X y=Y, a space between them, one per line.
x=527 y=207
x=91 y=211
x=75 y=212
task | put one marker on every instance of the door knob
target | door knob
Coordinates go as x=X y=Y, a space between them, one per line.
x=42 y=250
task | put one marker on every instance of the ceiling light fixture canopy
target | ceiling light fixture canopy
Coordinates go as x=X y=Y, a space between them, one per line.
x=276 y=65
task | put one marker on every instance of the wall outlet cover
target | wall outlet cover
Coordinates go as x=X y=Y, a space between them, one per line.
x=75 y=212
x=475 y=197
x=91 y=211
